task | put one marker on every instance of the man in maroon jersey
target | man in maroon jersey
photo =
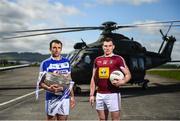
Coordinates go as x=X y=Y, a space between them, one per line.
x=108 y=97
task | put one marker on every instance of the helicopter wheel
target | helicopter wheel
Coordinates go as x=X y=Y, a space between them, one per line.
x=145 y=84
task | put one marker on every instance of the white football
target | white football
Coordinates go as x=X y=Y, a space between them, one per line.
x=116 y=75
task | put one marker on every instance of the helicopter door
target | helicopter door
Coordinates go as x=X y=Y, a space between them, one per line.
x=137 y=69
x=133 y=64
x=137 y=64
x=141 y=64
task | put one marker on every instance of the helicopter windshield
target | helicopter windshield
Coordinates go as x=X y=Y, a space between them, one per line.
x=71 y=56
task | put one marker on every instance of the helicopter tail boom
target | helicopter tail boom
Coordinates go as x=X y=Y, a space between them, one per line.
x=167 y=50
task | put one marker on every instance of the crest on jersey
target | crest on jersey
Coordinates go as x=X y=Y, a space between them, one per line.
x=104 y=72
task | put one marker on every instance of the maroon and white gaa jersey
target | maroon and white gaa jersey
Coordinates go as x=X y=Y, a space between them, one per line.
x=106 y=65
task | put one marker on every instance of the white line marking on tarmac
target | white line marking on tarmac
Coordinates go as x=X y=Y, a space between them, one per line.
x=18 y=98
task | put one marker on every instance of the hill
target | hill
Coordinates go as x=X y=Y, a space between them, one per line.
x=24 y=56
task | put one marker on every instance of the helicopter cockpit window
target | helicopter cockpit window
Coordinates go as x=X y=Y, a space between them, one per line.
x=141 y=63
x=71 y=55
x=137 y=63
x=77 y=59
x=134 y=62
x=87 y=59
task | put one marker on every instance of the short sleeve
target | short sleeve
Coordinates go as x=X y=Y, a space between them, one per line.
x=43 y=67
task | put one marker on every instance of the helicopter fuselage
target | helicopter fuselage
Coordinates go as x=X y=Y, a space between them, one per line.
x=137 y=58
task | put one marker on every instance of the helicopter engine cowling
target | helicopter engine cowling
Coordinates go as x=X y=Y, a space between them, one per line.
x=79 y=45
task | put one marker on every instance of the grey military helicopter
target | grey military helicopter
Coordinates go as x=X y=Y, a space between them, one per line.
x=138 y=59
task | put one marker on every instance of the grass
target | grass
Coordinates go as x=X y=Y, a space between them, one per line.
x=7 y=65
x=173 y=74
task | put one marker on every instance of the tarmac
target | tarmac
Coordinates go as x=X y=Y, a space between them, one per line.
x=159 y=102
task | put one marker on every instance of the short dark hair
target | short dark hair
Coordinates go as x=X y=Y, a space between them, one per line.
x=54 y=41
x=107 y=39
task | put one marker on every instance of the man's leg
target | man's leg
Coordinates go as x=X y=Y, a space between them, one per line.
x=62 y=117
x=115 y=116
x=103 y=114
x=113 y=103
x=49 y=118
x=64 y=110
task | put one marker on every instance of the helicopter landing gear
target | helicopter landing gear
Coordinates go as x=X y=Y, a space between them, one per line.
x=144 y=84
x=77 y=90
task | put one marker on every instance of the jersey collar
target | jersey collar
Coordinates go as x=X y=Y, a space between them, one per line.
x=109 y=55
x=56 y=59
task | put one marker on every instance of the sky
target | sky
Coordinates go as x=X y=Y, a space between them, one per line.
x=40 y=14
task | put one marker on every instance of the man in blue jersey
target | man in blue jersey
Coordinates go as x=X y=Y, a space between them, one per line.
x=58 y=100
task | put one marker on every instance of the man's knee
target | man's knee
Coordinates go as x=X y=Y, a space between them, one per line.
x=102 y=118
x=115 y=115
x=62 y=117
x=103 y=115
x=49 y=117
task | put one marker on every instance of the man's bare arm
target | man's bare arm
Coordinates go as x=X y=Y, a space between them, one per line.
x=92 y=84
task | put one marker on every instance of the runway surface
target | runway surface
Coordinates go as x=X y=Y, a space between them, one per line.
x=159 y=102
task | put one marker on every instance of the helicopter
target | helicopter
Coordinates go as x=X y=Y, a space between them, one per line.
x=137 y=58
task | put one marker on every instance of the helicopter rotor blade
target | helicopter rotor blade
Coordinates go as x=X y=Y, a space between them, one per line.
x=100 y=28
x=54 y=29
x=160 y=22
x=140 y=26
x=156 y=24
x=33 y=32
x=46 y=33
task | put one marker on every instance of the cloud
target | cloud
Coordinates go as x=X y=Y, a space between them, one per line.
x=95 y=3
x=32 y=14
x=132 y=2
x=154 y=34
x=151 y=39
x=153 y=30
x=89 y=4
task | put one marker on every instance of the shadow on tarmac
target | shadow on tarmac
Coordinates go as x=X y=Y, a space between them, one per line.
x=126 y=92
x=17 y=87
x=153 y=90
x=135 y=91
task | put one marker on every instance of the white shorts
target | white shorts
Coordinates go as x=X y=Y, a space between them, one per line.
x=54 y=107
x=110 y=102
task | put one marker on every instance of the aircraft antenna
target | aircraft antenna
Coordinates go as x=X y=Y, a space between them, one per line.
x=84 y=42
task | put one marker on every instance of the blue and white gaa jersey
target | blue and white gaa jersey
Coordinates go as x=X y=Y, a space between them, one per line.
x=57 y=66
x=61 y=66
